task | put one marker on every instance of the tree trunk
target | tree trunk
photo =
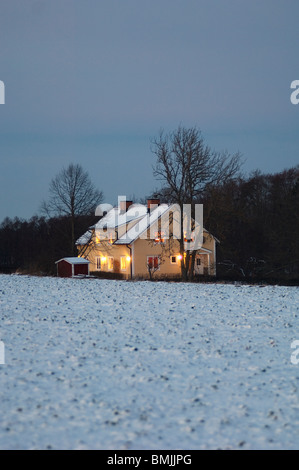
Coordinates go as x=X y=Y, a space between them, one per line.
x=73 y=248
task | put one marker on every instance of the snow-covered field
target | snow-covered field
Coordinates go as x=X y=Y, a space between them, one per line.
x=98 y=364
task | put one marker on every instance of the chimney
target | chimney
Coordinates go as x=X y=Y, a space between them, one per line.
x=124 y=206
x=152 y=204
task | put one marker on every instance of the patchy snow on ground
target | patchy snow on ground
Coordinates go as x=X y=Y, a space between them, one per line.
x=103 y=364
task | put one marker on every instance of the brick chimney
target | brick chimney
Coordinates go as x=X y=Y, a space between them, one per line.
x=124 y=206
x=152 y=204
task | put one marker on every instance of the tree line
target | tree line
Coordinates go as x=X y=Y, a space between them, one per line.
x=33 y=246
x=254 y=217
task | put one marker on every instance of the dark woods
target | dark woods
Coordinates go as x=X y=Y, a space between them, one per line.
x=256 y=220
x=33 y=246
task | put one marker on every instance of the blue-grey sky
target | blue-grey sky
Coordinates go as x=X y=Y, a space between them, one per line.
x=92 y=81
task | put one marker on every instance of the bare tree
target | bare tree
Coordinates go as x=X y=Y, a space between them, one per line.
x=186 y=166
x=72 y=194
x=153 y=264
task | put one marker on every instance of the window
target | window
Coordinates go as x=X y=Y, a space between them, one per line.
x=153 y=262
x=198 y=261
x=189 y=240
x=173 y=260
x=123 y=263
x=159 y=237
x=98 y=263
x=110 y=263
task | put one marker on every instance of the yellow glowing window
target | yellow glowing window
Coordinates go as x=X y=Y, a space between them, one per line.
x=190 y=239
x=98 y=263
x=123 y=263
x=159 y=237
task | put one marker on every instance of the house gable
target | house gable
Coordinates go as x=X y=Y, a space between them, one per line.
x=142 y=234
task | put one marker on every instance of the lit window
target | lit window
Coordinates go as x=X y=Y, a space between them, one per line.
x=189 y=240
x=123 y=263
x=159 y=237
x=98 y=263
x=110 y=263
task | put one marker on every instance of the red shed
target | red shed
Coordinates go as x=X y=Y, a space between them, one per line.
x=70 y=267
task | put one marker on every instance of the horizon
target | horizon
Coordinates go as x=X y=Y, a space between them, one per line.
x=93 y=84
x=137 y=201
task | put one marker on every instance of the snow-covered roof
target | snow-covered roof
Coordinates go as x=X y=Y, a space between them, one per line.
x=115 y=218
x=205 y=250
x=85 y=238
x=143 y=224
x=74 y=260
x=136 y=215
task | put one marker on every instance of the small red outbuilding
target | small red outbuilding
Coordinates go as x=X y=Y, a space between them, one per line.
x=70 y=267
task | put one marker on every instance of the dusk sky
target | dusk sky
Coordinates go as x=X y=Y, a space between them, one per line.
x=92 y=81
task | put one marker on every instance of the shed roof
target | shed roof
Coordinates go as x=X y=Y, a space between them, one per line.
x=74 y=260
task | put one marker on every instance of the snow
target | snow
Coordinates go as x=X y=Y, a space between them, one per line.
x=138 y=229
x=85 y=238
x=104 y=364
x=115 y=218
x=74 y=260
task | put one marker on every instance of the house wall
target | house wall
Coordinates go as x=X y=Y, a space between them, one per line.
x=143 y=248
x=105 y=250
x=210 y=244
